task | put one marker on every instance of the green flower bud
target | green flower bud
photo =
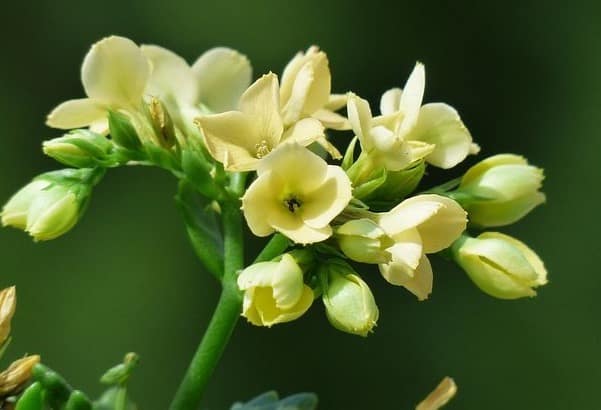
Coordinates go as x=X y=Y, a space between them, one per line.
x=500 y=265
x=123 y=132
x=81 y=149
x=52 y=203
x=350 y=305
x=363 y=240
x=500 y=190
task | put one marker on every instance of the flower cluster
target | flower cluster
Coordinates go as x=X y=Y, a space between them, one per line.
x=265 y=146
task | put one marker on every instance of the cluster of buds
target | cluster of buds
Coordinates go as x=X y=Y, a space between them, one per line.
x=212 y=127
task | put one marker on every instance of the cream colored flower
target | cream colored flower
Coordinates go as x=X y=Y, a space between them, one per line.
x=114 y=76
x=274 y=292
x=239 y=139
x=419 y=225
x=407 y=131
x=8 y=304
x=305 y=91
x=296 y=193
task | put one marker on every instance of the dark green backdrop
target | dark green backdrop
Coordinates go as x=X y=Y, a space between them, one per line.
x=526 y=77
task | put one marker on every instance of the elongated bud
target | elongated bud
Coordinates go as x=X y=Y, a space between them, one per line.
x=500 y=265
x=81 y=149
x=123 y=132
x=500 y=190
x=162 y=122
x=350 y=305
x=8 y=303
x=52 y=203
x=440 y=396
x=363 y=240
x=17 y=375
x=274 y=292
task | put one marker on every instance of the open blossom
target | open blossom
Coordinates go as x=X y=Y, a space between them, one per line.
x=296 y=193
x=114 y=76
x=407 y=131
x=419 y=225
x=306 y=91
x=274 y=292
x=239 y=139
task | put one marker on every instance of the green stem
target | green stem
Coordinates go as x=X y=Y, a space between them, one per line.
x=224 y=318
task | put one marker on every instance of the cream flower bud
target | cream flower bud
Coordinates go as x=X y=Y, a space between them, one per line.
x=440 y=396
x=500 y=265
x=8 y=303
x=52 y=203
x=363 y=240
x=296 y=193
x=81 y=149
x=500 y=190
x=274 y=292
x=17 y=374
x=350 y=305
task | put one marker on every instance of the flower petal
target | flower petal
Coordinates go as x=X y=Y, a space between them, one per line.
x=171 y=75
x=232 y=139
x=360 y=118
x=444 y=227
x=304 y=132
x=390 y=102
x=490 y=162
x=500 y=213
x=261 y=201
x=332 y=120
x=262 y=102
x=115 y=72
x=411 y=97
x=439 y=124
x=222 y=74
x=336 y=102
x=76 y=114
x=329 y=200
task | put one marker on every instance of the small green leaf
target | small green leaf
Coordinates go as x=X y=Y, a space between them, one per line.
x=78 y=401
x=349 y=155
x=32 y=398
x=123 y=132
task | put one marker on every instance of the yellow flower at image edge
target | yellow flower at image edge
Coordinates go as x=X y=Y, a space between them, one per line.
x=296 y=193
x=274 y=292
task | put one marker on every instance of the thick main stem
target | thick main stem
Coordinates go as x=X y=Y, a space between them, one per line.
x=224 y=318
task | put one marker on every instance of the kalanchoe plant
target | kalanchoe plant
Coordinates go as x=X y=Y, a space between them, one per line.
x=246 y=151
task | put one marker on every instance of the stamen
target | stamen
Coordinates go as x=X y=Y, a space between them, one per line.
x=292 y=204
x=262 y=149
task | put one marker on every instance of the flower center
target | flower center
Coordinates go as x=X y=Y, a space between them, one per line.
x=262 y=149
x=292 y=204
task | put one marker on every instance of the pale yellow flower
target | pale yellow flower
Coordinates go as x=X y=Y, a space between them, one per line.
x=274 y=292
x=114 y=76
x=440 y=396
x=306 y=91
x=419 y=225
x=500 y=265
x=8 y=304
x=239 y=139
x=407 y=131
x=296 y=193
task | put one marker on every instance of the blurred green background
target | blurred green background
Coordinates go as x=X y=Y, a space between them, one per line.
x=526 y=78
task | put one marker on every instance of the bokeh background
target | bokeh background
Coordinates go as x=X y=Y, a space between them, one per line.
x=526 y=78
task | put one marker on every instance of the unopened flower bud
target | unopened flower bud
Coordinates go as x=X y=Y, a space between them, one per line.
x=17 y=375
x=81 y=149
x=363 y=240
x=162 y=123
x=500 y=190
x=440 y=396
x=52 y=203
x=8 y=303
x=274 y=292
x=500 y=265
x=350 y=305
